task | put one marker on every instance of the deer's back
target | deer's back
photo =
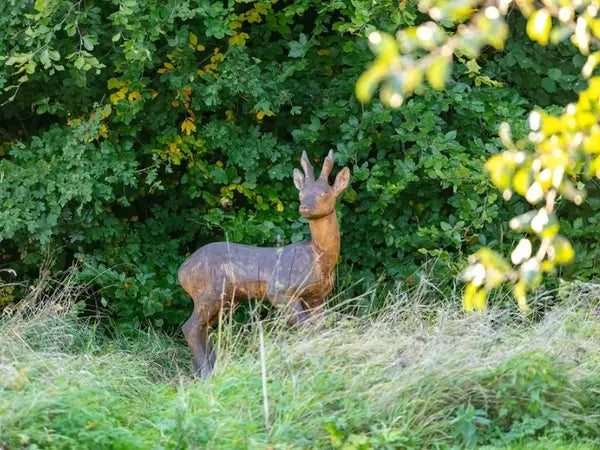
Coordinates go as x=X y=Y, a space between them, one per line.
x=239 y=270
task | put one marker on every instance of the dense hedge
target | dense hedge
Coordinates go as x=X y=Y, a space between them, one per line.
x=133 y=132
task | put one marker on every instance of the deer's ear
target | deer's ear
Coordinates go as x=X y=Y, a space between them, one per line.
x=298 y=179
x=341 y=181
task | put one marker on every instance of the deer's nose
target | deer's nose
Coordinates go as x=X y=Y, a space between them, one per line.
x=303 y=209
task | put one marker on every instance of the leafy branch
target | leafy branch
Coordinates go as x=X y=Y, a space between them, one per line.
x=541 y=168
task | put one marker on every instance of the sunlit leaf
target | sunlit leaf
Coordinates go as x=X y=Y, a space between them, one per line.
x=188 y=126
x=437 y=73
x=563 y=252
x=492 y=259
x=368 y=81
x=521 y=181
x=539 y=25
x=479 y=299
x=468 y=297
x=520 y=294
x=501 y=170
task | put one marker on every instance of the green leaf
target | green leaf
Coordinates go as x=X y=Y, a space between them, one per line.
x=88 y=43
x=45 y=59
x=298 y=48
x=40 y=5
x=30 y=67
x=79 y=62
x=554 y=73
x=548 y=85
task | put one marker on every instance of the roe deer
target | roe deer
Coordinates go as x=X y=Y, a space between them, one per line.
x=298 y=276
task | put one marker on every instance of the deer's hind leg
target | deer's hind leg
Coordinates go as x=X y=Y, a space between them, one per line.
x=192 y=333
x=195 y=330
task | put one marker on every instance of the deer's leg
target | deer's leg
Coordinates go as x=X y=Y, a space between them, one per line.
x=210 y=357
x=192 y=332
x=299 y=315
x=196 y=331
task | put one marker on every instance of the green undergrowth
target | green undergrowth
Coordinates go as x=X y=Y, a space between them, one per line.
x=410 y=377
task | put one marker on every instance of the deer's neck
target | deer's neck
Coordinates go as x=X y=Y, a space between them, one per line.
x=325 y=233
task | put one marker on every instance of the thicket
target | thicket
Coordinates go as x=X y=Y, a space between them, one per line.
x=133 y=132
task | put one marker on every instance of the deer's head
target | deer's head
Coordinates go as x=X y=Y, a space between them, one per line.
x=317 y=197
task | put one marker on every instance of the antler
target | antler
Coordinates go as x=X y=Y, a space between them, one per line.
x=327 y=165
x=308 y=168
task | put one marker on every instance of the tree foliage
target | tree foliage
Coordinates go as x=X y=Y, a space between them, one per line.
x=133 y=132
x=546 y=164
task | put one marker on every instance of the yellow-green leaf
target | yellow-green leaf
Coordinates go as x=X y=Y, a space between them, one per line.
x=501 y=170
x=438 y=72
x=590 y=64
x=563 y=252
x=470 y=291
x=539 y=26
x=115 y=83
x=239 y=39
x=490 y=258
x=519 y=292
x=188 y=126
x=521 y=181
x=40 y=5
x=479 y=299
x=367 y=82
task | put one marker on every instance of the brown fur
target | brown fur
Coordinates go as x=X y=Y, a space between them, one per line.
x=298 y=276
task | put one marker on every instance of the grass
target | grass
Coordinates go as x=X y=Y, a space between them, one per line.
x=412 y=376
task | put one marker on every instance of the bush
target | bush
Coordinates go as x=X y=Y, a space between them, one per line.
x=134 y=133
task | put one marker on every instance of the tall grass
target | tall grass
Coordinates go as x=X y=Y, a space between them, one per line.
x=412 y=376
